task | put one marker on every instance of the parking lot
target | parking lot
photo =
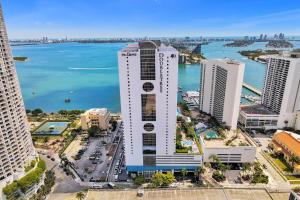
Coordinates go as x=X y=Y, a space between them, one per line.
x=117 y=170
x=99 y=159
x=90 y=158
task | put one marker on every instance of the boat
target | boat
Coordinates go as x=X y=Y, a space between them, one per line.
x=67 y=100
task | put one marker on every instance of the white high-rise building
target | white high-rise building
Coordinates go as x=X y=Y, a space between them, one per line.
x=16 y=148
x=220 y=89
x=148 y=73
x=282 y=88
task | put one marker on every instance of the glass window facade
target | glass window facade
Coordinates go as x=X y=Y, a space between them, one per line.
x=148 y=107
x=147 y=64
x=149 y=139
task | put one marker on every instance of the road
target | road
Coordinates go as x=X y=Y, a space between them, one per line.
x=275 y=180
x=119 y=133
x=63 y=183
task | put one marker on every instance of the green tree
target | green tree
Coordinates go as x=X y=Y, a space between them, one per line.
x=157 y=179
x=80 y=195
x=214 y=158
x=168 y=179
x=160 y=179
x=184 y=173
x=294 y=159
x=199 y=171
x=223 y=167
x=93 y=131
x=139 y=180
x=218 y=176
x=37 y=112
x=246 y=167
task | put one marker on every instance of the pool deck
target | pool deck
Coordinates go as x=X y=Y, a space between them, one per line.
x=221 y=143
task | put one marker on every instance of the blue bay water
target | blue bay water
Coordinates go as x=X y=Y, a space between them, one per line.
x=88 y=74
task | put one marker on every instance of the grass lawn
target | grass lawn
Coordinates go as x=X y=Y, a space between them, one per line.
x=281 y=163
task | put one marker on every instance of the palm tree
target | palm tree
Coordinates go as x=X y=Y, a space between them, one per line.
x=294 y=159
x=200 y=170
x=223 y=167
x=80 y=195
x=184 y=172
x=246 y=167
x=214 y=158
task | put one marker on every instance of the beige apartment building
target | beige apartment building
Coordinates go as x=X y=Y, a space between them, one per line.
x=95 y=117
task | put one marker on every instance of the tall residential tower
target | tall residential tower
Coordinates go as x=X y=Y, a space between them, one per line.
x=220 y=89
x=16 y=148
x=148 y=73
x=148 y=86
x=281 y=92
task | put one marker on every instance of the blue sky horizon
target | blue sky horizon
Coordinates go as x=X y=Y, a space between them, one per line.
x=151 y=18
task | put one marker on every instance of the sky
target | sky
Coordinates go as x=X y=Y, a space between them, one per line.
x=26 y=19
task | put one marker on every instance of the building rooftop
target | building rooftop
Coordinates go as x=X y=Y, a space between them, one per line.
x=192 y=94
x=257 y=110
x=288 y=140
x=150 y=44
x=188 y=194
x=233 y=138
x=96 y=111
x=227 y=61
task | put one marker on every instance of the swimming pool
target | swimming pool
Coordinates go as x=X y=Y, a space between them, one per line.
x=51 y=128
x=178 y=112
x=211 y=134
x=187 y=143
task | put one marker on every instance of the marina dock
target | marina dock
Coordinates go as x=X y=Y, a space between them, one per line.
x=252 y=89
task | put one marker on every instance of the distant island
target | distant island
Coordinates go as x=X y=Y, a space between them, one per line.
x=105 y=41
x=187 y=55
x=279 y=44
x=20 y=59
x=258 y=55
x=239 y=43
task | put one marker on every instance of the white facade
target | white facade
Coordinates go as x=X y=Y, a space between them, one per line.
x=95 y=117
x=16 y=148
x=228 y=154
x=148 y=74
x=282 y=88
x=242 y=154
x=220 y=89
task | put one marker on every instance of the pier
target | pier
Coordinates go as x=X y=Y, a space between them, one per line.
x=252 y=89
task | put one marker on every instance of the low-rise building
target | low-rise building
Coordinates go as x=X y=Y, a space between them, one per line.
x=288 y=145
x=234 y=148
x=95 y=117
x=257 y=117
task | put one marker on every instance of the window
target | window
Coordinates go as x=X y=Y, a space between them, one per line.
x=147 y=64
x=148 y=127
x=149 y=160
x=149 y=139
x=148 y=87
x=148 y=107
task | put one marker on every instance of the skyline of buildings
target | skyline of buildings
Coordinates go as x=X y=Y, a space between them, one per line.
x=16 y=147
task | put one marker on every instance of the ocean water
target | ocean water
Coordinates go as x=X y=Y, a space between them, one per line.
x=88 y=74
